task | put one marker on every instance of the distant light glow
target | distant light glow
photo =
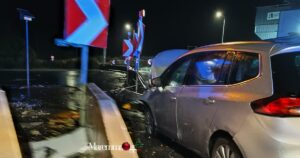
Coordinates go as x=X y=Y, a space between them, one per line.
x=150 y=62
x=27 y=18
x=128 y=27
x=71 y=78
x=219 y=14
x=52 y=58
x=113 y=62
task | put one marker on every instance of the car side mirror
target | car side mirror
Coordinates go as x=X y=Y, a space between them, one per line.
x=156 y=82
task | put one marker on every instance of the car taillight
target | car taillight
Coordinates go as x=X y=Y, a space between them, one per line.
x=282 y=107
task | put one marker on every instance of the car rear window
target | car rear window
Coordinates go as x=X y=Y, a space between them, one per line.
x=286 y=74
x=245 y=67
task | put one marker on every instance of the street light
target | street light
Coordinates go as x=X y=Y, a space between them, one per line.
x=219 y=15
x=127 y=27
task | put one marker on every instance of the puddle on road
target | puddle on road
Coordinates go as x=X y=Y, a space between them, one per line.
x=52 y=121
x=49 y=112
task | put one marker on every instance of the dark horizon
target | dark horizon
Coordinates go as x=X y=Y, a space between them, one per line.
x=168 y=25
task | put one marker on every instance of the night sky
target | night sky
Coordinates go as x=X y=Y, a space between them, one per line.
x=169 y=24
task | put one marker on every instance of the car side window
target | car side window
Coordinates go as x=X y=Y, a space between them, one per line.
x=176 y=74
x=244 y=67
x=209 y=68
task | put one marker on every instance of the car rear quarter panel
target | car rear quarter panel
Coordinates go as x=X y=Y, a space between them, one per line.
x=233 y=111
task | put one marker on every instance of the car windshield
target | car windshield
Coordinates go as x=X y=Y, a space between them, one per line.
x=286 y=74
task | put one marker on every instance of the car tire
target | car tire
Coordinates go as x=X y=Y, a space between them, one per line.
x=149 y=122
x=225 y=148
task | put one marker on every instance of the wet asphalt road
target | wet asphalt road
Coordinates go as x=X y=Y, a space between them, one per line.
x=107 y=80
x=157 y=147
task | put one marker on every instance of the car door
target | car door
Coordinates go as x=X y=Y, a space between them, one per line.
x=199 y=98
x=165 y=110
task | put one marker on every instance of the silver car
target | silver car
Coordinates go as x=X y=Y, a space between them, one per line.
x=231 y=100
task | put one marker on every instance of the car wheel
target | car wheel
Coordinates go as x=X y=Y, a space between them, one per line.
x=225 y=148
x=149 y=122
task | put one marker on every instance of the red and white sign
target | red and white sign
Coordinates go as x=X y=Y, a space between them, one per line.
x=127 y=48
x=87 y=22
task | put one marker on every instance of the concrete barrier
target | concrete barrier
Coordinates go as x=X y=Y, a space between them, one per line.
x=114 y=125
x=9 y=145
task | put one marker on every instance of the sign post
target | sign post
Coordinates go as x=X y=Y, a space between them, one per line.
x=84 y=58
x=104 y=56
x=127 y=50
x=138 y=51
x=27 y=16
x=137 y=66
x=128 y=68
x=84 y=64
x=27 y=58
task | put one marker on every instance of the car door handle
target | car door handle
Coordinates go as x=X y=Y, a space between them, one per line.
x=209 y=100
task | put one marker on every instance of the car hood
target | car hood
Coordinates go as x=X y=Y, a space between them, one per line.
x=163 y=60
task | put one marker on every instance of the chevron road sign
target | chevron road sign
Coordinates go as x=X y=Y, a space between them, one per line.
x=87 y=22
x=127 y=48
